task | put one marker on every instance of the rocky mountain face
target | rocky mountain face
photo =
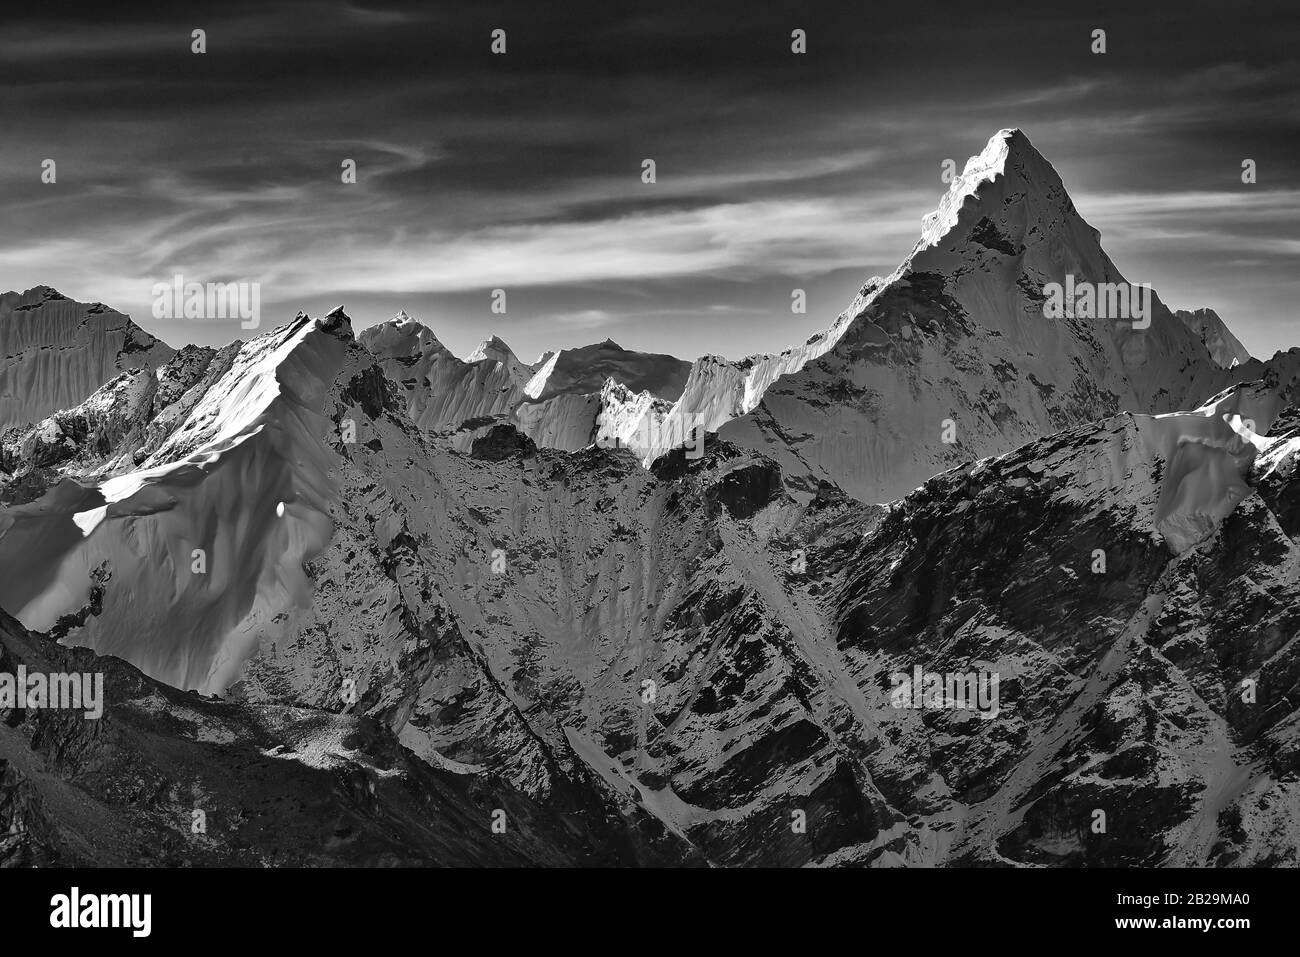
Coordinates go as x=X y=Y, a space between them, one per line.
x=170 y=779
x=401 y=591
x=954 y=356
x=54 y=352
x=563 y=401
x=1131 y=682
x=1224 y=347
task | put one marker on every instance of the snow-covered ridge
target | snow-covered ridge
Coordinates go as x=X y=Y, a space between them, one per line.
x=980 y=169
x=958 y=334
x=1203 y=459
x=442 y=390
x=1226 y=349
x=585 y=369
x=212 y=530
x=559 y=401
x=1175 y=475
x=543 y=369
x=1005 y=228
x=494 y=349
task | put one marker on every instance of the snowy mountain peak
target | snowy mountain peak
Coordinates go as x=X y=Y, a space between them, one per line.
x=1009 y=201
x=495 y=348
x=253 y=445
x=961 y=333
x=980 y=169
x=336 y=322
x=55 y=352
x=1225 y=348
x=585 y=369
x=399 y=338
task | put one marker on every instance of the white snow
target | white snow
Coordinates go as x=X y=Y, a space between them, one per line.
x=1225 y=348
x=55 y=352
x=255 y=442
x=869 y=414
x=442 y=391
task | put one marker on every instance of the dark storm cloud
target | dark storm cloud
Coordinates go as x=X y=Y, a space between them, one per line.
x=523 y=171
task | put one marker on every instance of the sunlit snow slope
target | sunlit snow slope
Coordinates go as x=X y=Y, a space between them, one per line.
x=952 y=357
x=183 y=565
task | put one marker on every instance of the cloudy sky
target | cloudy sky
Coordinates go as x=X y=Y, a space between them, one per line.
x=523 y=171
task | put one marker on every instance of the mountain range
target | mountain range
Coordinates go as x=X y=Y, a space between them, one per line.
x=361 y=601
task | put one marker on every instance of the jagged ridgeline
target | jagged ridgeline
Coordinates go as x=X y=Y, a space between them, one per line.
x=516 y=587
